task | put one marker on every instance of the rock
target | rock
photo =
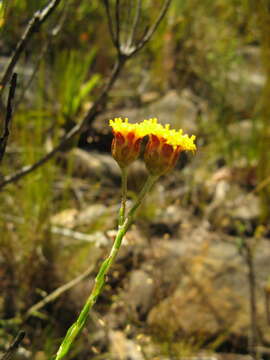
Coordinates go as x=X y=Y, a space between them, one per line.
x=97 y=238
x=200 y=357
x=218 y=357
x=180 y=107
x=230 y=202
x=94 y=217
x=223 y=356
x=247 y=208
x=139 y=292
x=65 y=218
x=211 y=293
x=150 y=96
x=123 y=348
x=103 y=167
x=242 y=129
x=246 y=80
x=93 y=165
x=23 y=354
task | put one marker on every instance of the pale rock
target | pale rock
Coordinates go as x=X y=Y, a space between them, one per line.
x=139 y=293
x=93 y=216
x=211 y=291
x=93 y=164
x=123 y=348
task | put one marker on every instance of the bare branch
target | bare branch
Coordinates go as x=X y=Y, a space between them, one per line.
x=33 y=26
x=14 y=346
x=130 y=47
x=30 y=168
x=8 y=117
x=110 y=23
x=117 y=23
x=146 y=38
x=34 y=72
x=52 y=33
x=135 y=22
x=97 y=107
x=58 y=292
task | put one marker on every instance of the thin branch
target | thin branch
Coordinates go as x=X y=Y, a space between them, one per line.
x=117 y=24
x=58 y=292
x=110 y=23
x=33 y=26
x=127 y=19
x=8 y=117
x=32 y=76
x=62 y=18
x=97 y=108
x=135 y=22
x=14 y=346
x=30 y=168
x=51 y=34
x=153 y=28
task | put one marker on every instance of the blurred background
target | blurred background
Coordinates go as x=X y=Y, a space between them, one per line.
x=192 y=279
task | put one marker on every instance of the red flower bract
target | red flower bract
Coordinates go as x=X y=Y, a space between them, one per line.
x=159 y=156
x=125 y=148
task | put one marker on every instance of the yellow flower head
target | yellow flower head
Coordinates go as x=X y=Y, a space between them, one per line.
x=164 y=146
x=170 y=136
x=124 y=127
x=127 y=141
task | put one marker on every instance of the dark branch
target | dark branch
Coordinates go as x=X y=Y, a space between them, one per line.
x=110 y=22
x=52 y=33
x=14 y=346
x=129 y=47
x=146 y=38
x=8 y=117
x=33 y=26
x=117 y=24
x=135 y=22
x=58 y=292
x=31 y=78
x=97 y=108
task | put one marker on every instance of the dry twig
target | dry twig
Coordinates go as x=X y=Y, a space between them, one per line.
x=135 y=22
x=56 y=293
x=8 y=117
x=33 y=26
x=14 y=346
x=53 y=33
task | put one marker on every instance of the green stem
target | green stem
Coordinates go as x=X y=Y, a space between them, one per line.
x=79 y=324
x=146 y=188
x=122 y=211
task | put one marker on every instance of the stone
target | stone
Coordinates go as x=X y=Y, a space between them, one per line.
x=90 y=216
x=93 y=165
x=139 y=292
x=123 y=348
x=211 y=293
